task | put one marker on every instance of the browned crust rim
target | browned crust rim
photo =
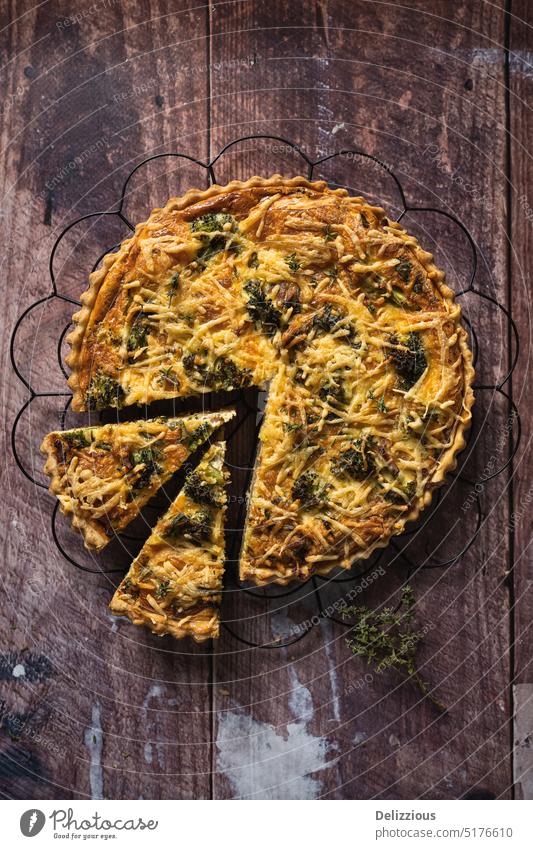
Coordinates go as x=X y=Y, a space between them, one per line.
x=447 y=463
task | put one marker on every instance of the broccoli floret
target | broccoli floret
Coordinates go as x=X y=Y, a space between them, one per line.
x=261 y=309
x=224 y=374
x=198 y=436
x=406 y=492
x=199 y=490
x=409 y=360
x=198 y=526
x=355 y=462
x=212 y=222
x=147 y=457
x=103 y=391
x=308 y=490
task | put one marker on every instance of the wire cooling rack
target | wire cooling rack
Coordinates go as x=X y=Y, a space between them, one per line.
x=315 y=583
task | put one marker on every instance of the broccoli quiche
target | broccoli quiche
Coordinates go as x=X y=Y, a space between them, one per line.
x=318 y=294
x=174 y=584
x=104 y=475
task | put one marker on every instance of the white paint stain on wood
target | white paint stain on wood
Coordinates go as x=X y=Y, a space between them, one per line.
x=156 y=691
x=523 y=740
x=262 y=762
x=94 y=741
x=300 y=699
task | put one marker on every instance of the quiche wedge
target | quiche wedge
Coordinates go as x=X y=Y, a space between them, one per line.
x=103 y=475
x=174 y=584
x=339 y=309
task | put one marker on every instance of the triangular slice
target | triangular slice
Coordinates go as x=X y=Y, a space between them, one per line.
x=104 y=475
x=174 y=584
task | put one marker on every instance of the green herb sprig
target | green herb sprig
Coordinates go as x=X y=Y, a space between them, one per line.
x=388 y=640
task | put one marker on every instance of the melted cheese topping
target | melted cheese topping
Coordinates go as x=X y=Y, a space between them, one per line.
x=174 y=584
x=104 y=475
x=344 y=313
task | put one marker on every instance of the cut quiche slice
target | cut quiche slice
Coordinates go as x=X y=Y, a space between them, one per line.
x=104 y=475
x=174 y=584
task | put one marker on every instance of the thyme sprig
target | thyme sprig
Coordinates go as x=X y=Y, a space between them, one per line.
x=388 y=640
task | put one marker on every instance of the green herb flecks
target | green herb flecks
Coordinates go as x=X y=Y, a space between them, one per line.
x=173 y=286
x=162 y=590
x=388 y=640
x=168 y=377
x=253 y=262
x=138 y=333
x=292 y=262
x=329 y=233
x=213 y=222
x=103 y=391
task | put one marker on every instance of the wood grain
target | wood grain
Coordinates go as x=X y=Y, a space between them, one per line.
x=521 y=234
x=103 y=709
x=359 y=76
x=121 y=714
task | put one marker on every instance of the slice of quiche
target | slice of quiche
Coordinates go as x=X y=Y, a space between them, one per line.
x=174 y=584
x=104 y=475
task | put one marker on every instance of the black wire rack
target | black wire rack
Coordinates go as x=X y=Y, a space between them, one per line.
x=274 y=593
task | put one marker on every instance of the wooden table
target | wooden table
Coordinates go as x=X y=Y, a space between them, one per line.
x=438 y=91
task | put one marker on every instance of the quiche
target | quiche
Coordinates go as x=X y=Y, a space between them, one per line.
x=320 y=296
x=104 y=475
x=174 y=584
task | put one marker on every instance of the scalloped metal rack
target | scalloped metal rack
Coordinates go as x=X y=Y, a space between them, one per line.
x=316 y=582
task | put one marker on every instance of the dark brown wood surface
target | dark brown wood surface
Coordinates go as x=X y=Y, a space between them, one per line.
x=441 y=93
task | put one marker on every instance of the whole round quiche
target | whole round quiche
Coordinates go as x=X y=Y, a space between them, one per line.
x=316 y=294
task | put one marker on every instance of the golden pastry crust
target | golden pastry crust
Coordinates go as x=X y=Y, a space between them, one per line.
x=104 y=475
x=292 y=282
x=173 y=586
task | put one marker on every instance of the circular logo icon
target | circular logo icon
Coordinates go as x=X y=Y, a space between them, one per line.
x=32 y=822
